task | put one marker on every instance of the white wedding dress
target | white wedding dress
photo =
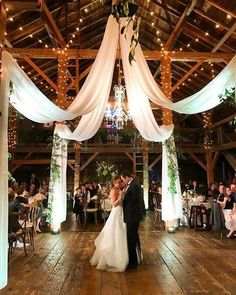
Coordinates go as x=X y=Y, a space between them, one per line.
x=111 y=252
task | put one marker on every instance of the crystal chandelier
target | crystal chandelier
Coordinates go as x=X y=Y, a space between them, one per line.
x=118 y=116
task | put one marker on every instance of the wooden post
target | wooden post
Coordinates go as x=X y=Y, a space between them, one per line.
x=62 y=79
x=166 y=113
x=61 y=102
x=207 y=124
x=77 y=166
x=145 y=174
x=210 y=172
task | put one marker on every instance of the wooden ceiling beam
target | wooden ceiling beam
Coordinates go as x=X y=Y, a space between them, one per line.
x=221 y=7
x=170 y=43
x=30 y=28
x=149 y=55
x=46 y=15
x=41 y=73
x=167 y=8
x=225 y=146
x=223 y=121
x=30 y=5
x=220 y=44
x=202 y=14
x=199 y=161
x=195 y=32
x=189 y=73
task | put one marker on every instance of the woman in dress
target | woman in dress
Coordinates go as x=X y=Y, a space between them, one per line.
x=111 y=252
x=227 y=203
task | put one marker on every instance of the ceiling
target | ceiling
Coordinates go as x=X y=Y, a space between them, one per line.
x=177 y=25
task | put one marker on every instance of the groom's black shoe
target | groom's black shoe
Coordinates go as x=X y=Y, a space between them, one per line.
x=130 y=266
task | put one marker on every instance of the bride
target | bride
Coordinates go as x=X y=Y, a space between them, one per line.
x=111 y=252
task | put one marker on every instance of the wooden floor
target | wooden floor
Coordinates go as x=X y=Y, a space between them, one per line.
x=186 y=262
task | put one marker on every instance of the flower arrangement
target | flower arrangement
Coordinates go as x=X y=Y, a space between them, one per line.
x=105 y=170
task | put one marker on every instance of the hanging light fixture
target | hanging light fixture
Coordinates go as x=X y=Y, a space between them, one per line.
x=118 y=116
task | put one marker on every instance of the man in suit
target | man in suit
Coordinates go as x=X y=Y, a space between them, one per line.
x=132 y=207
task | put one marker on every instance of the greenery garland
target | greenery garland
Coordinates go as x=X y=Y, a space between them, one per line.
x=55 y=171
x=127 y=8
x=229 y=98
x=172 y=166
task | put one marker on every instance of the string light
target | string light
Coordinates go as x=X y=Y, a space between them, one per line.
x=12 y=126
x=207 y=123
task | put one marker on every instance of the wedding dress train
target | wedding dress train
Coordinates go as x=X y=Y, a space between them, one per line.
x=111 y=252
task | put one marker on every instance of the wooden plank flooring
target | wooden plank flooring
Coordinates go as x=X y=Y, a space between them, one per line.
x=186 y=262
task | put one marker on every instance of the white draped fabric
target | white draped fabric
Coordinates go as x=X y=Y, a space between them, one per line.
x=171 y=203
x=139 y=105
x=139 y=74
x=57 y=192
x=3 y=185
x=27 y=98
x=141 y=87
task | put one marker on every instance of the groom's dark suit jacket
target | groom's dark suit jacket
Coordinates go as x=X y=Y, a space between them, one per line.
x=132 y=204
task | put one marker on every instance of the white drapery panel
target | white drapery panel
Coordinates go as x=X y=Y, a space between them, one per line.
x=27 y=98
x=171 y=203
x=57 y=193
x=3 y=185
x=88 y=125
x=139 y=105
x=100 y=80
x=205 y=99
x=98 y=83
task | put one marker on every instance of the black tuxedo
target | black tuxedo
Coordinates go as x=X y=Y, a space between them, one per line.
x=132 y=207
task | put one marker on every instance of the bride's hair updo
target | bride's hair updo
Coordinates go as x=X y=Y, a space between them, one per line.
x=115 y=178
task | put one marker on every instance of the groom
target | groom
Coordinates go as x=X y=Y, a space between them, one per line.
x=132 y=206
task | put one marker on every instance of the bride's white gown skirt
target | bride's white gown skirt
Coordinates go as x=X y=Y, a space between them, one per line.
x=111 y=252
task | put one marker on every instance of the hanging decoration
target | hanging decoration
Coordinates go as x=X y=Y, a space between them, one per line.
x=118 y=116
x=127 y=8
x=207 y=123
x=56 y=212
x=172 y=166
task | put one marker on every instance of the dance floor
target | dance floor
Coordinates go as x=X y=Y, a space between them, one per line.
x=185 y=262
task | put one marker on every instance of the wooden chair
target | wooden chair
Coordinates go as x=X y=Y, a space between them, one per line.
x=18 y=235
x=198 y=218
x=88 y=211
x=106 y=207
x=157 y=216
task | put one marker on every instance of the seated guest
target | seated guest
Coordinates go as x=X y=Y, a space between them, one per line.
x=227 y=203
x=34 y=180
x=195 y=188
x=212 y=191
x=32 y=190
x=226 y=199
x=233 y=192
x=78 y=206
x=22 y=196
x=157 y=198
x=38 y=201
x=222 y=193
x=13 y=206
